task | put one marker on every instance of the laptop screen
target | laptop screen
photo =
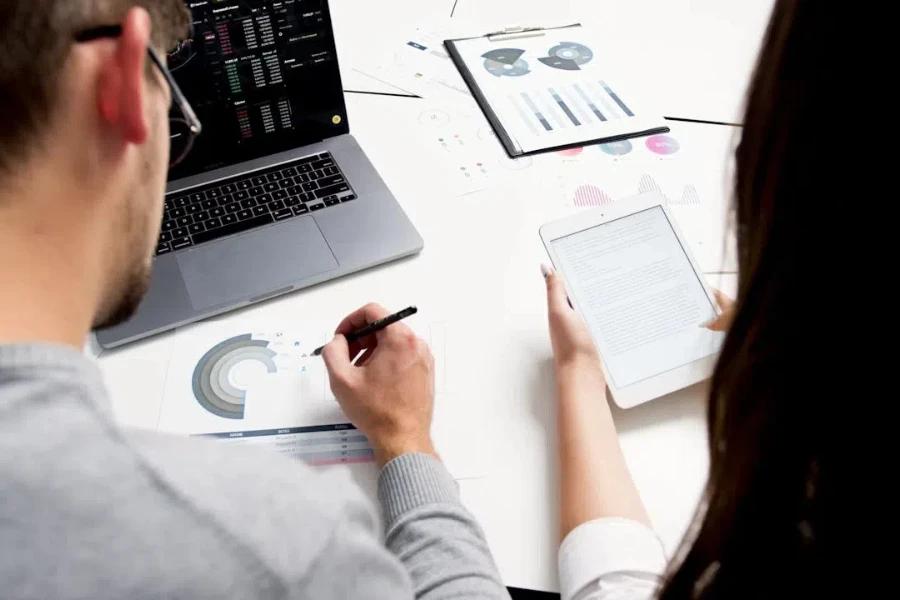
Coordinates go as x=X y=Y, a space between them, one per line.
x=262 y=76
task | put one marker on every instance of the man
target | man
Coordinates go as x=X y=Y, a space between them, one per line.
x=92 y=511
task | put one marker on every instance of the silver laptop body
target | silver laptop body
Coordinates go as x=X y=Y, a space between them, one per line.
x=361 y=225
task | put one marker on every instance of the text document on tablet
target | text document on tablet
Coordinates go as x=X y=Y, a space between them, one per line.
x=639 y=295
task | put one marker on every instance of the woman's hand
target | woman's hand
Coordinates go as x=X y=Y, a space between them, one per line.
x=571 y=340
x=594 y=480
x=722 y=322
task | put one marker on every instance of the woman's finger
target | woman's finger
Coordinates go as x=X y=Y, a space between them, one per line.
x=557 y=298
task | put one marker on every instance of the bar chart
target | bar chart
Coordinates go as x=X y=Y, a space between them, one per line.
x=320 y=445
x=568 y=106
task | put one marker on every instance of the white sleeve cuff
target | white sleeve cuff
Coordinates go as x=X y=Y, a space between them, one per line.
x=605 y=546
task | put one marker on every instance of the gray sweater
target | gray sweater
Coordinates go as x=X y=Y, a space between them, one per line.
x=88 y=510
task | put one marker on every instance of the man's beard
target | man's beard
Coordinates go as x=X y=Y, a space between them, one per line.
x=131 y=291
x=124 y=295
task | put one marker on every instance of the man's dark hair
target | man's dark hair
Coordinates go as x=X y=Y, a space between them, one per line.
x=36 y=37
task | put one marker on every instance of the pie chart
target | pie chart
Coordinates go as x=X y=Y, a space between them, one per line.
x=216 y=383
x=569 y=152
x=662 y=144
x=505 y=62
x=568 y=56
x=620 y=148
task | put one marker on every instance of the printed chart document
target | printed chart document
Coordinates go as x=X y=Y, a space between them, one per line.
x=639 y=295
x=691 y=167
x=550 y=91
x=695 y=197
x=252 y=383
x=465 y=149
x=419 y=64
x=247 y=384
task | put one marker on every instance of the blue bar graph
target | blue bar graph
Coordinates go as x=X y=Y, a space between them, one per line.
x=565 y=108
x=537 y=113
x=553 y=110
x=589 y=102
x=525 y=117
x=616 y=99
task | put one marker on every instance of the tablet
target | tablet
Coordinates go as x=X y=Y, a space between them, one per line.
x=631 y=276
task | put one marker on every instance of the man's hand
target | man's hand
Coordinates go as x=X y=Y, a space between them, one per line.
x=388 y=393
x=571 y=340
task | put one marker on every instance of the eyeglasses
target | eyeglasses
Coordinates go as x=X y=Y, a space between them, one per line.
x=189 y=122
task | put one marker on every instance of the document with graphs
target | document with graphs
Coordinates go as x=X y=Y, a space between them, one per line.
x=547 y=89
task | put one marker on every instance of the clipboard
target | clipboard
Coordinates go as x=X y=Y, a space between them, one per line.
x=544 y=89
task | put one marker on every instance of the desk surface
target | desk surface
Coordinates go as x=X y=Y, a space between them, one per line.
x=698 y=55
x=482 y=250
x=361 y=29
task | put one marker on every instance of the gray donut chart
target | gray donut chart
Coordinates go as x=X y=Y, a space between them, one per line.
x=564 y=64
x=568 y=56
x=211 y=384
x=505 y=62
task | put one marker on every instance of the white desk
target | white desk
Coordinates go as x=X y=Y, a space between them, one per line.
x=479 y=272
x=362 y=27
x=698 y=55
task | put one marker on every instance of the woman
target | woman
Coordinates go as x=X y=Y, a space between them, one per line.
x=766 y=520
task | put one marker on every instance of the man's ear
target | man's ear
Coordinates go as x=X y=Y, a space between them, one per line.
x=123 y=81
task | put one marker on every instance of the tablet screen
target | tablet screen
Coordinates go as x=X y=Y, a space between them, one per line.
x=639 y=295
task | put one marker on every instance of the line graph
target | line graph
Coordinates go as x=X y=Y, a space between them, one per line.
x=180 y=56
x=688 y=197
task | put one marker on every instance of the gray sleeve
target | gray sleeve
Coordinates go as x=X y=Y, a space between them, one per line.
x=354 y=563
x=433 y=535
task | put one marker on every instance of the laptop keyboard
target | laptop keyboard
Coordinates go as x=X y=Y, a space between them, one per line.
x=249 y=201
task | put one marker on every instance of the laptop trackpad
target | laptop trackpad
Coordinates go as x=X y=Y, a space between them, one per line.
x=255 y=263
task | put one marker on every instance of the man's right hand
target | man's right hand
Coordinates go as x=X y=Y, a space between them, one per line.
x=388 y=393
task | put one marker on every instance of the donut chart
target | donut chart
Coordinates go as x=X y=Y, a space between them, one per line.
x=212 y=384
x=619 y=148
x=505 y=62
x=568 y=56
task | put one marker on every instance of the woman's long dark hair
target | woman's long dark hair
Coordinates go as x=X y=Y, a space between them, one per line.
x=763 y=529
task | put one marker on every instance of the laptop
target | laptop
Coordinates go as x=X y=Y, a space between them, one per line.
x=275 y=195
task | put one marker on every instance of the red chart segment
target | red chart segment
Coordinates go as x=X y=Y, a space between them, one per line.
x=571 y=152
x=591 y=195
x=662 y=144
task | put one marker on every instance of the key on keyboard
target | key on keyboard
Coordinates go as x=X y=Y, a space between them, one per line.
x=245 y=203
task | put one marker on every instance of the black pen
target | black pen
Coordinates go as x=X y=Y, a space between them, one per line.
x=374 y=327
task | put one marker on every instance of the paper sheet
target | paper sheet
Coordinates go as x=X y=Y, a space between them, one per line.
x=696 y=202
x=246 y=382
x=660 y=147
x=252 y=384
x=419 y=64
x=466 y=150
x=689 y=166
x=553 y=89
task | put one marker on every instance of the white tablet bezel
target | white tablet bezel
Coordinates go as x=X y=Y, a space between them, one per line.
x=663 y=383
